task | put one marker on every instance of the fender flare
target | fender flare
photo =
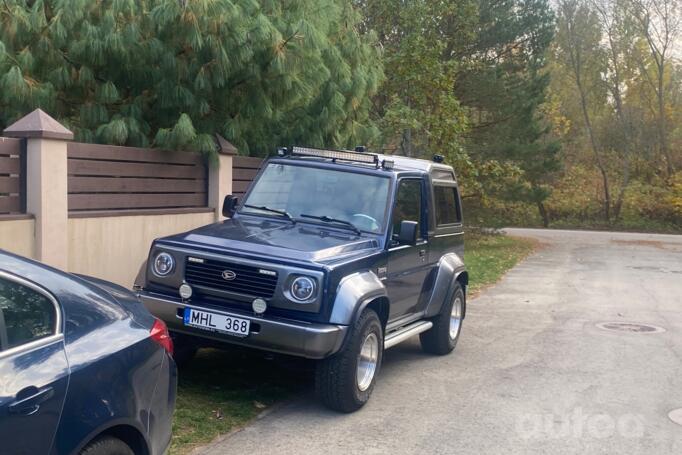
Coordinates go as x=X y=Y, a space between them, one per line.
x=451 y=269
x=353 y=294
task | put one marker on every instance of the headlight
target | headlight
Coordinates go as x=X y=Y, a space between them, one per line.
x=163 y=264
x=303 y=288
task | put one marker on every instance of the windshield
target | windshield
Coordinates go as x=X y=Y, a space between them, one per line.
x=303 y=192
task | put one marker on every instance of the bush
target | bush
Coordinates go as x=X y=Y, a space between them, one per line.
x=649 y=204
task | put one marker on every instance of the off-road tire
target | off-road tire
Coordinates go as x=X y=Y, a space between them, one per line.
x=107 y=445
x=336 y=377
x=437 y=339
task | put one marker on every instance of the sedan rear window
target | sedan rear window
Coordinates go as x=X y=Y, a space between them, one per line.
x=25 y=315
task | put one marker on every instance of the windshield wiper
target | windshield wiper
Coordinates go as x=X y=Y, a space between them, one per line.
x=282 y=213
x=327 y=219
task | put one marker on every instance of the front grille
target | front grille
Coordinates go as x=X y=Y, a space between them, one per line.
x=248 y=279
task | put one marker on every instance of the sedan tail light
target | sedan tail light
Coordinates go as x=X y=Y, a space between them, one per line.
x=159 y=334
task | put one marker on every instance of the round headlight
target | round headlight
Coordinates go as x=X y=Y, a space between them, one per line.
x=163 y=264
x=302 y=288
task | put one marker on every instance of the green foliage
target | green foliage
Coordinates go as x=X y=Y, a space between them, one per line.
x=417 y=109
x=605 y=110
x=170 y=74
x=647 y=205
x=505 y=88
x=466 y=80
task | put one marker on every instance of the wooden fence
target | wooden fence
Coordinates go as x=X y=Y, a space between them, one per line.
x=105 y=178
x=12 y=177
x=244 y=170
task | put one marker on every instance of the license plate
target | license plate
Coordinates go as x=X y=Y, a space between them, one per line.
x=217 y=322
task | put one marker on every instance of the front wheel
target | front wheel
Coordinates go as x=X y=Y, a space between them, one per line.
x=344 y=381
x=442 y=338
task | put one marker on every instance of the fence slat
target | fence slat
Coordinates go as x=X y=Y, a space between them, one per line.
x=112 y=178
x=247 y=162
x=244 y=170
x=244 y=174
x=10 y=146
x=9 y=165
x=122 y=169
x=10 y=204
x=240 y=187
x=117 y=153
x=134 y=201
x=79 y=184
x=10 y=185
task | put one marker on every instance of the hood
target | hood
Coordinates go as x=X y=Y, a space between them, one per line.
x=283 y=239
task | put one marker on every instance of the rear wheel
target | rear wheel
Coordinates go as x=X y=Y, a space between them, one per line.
x=442 y=338
x=344 y=381
x=107 y=445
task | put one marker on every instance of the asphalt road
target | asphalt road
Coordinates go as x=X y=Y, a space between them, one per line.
x=532 y=372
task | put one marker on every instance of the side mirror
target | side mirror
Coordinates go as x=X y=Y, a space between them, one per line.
x=230 y=205
x=408 y=232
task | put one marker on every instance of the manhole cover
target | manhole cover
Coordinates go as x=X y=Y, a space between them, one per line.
x=632 y=327
x=676 y=416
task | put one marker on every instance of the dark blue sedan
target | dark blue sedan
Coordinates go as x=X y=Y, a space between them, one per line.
x=84 y=368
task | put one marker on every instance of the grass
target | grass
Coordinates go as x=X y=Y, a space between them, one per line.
x=488 y=257
x=221 y=391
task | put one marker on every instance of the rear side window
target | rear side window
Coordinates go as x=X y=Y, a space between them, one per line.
x=442 y=174
x=25 y=315
x=447 y=205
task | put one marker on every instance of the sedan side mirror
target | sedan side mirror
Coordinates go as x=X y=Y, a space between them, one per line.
x=230 y=205
x=408 y=232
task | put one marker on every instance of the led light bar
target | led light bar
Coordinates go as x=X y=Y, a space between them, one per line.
x=344 y=155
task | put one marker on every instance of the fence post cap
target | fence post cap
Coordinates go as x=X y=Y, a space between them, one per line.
x=39 y=125
x=225 y=147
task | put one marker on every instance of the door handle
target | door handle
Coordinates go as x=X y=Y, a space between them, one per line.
x=31 y=404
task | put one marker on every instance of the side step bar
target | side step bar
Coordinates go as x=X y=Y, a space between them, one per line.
x=406 y=332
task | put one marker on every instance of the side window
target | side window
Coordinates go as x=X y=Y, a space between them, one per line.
x=447 y=205
x=408 y=205
x=25 y=315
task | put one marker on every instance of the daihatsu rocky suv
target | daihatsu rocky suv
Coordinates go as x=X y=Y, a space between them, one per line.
x=332 y=255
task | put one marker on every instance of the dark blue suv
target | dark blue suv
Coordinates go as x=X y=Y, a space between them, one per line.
x=84 y=367
x=332 y=255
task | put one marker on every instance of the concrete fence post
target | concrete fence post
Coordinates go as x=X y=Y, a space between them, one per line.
x=46 y=183
x=220 y=176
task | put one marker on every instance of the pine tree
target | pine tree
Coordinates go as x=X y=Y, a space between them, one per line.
x=504 y=86
x=171 y=73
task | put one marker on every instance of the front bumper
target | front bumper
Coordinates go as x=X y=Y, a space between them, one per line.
x=298 y=338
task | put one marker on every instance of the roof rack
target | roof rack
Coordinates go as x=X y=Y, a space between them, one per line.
x=342 y=155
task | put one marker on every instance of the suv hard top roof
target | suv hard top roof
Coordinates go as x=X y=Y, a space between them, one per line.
x=438 y=171
x=415 y=164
